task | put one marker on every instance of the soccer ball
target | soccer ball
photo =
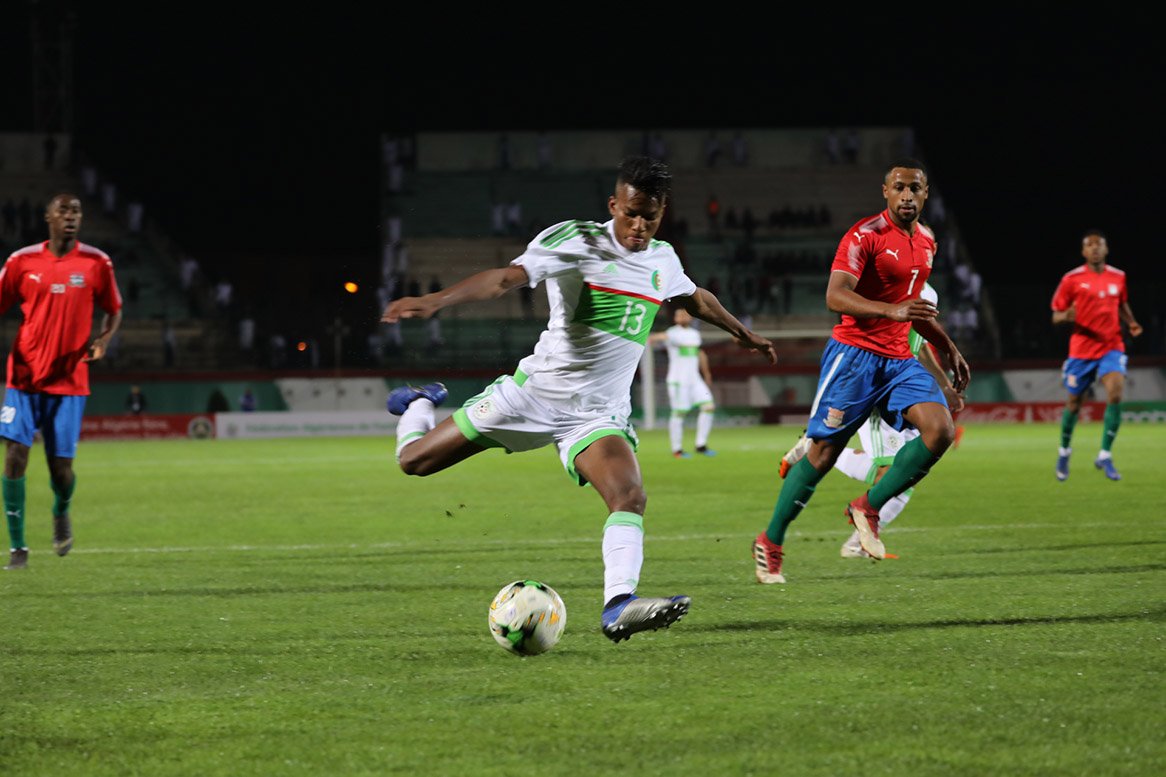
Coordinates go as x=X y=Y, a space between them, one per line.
x=527 y=617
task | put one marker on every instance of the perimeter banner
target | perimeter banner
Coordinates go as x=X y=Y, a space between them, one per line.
x=157 y=426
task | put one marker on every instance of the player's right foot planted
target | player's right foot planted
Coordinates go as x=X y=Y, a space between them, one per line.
x=767 y=557
x=1106 y=465
x=1063 y=467
x=17 y=559
x=866 y=521
x=400 y=398
x=62 y=534
x=794 y=455
x=633 y=615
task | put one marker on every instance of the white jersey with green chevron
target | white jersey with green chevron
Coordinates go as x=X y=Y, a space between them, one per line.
x=914 y=339
x=603 y=300
x=683 y=343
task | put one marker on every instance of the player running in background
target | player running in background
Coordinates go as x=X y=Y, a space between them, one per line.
x=880 y=442
x=57 y=285
x=878 y=274
x=1095 y=300
x=689 y=379
x=605 y=282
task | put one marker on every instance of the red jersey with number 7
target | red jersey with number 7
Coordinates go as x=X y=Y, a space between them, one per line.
x=57 y=296
x=1098 y=297
x=891 y=266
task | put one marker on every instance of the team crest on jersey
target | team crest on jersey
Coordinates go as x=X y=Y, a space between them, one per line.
x=1113 y=289
x=834 y=418
x=77 y=280
x=656 y=282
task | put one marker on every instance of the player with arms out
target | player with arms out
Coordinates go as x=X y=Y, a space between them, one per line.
x=57 y=284
x=689 y=379
x=875 y=282
x=881 y=442
x=1095 y=300
x=605 y=283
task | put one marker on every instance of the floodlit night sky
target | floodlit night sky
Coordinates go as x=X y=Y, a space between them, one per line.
x=261 y=133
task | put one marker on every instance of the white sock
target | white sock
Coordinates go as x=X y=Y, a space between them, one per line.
x=1103 y=455
x=704 y=425
x=623 y=555
x=1064 y=451
x=676 y=432
x=414 y=423
x=892 y=508
x=855 y=464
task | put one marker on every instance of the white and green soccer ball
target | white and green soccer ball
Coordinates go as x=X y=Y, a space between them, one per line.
x=527 y=617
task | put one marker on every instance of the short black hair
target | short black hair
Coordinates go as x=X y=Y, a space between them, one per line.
x=1091 y=233
x=910 y=163
x=647 y=175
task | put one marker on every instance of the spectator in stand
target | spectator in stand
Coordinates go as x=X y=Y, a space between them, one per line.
x=712 y=149
x=833 y=147
x=89 y=180
x=740 y=150
x=223 y=294
x=543 y=151
x=514 y=218
x=497 y=219
x=969 y=283
x=247 y=402
x=135 y=401
x=134 y=216
x=109 y=198
x=851 y=146
x=169 y=344
x=713 y=209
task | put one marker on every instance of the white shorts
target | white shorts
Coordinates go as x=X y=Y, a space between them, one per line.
x=685 y=395
x=882 y=441
x=506 y=416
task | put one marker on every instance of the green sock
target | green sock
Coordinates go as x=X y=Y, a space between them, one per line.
x=13 y=489
x=910 y=465
x=1112 y=422
x=795 y=492
x=1068 y=421
x=64 y=496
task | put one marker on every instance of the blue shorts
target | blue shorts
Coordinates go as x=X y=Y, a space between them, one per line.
x=853 y=381
x=58 y=417
x=1078 y=374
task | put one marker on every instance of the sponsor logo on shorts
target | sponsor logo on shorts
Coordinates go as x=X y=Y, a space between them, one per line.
x=484 y=408
x=7 y=414
x=1071 y=380
x=834 y=418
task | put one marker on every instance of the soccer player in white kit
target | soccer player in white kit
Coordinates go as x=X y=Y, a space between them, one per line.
x=880 y=442
x=688 y=382
x=605 y=282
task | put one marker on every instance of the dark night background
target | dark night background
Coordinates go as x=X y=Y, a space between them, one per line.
x=257 y=134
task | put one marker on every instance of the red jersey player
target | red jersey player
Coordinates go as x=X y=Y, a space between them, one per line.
x=1094 y=299
x=875 y=283
x=56 y=283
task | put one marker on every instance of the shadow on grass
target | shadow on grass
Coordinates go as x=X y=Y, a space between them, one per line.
x=882 y=627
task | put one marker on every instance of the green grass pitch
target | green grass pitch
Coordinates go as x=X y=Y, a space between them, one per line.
x=300 y=607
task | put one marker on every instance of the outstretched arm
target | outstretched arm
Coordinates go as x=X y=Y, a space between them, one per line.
x=842 y=298
x=704 y=305
x=488 y=284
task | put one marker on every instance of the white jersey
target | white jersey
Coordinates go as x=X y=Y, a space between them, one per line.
x=683 y=343
x=603 y=299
